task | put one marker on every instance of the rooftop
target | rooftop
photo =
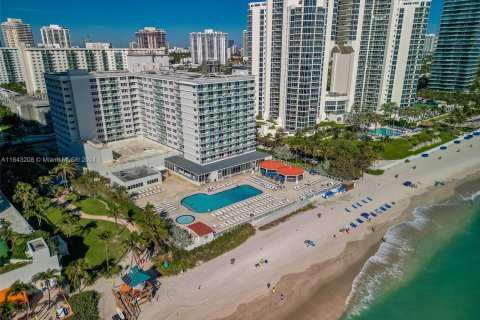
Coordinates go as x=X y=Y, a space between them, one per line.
x=9 y=213
x=200 y=229
x=135 y=173
x=31 y=101
x=271 y=165
x=133 y=149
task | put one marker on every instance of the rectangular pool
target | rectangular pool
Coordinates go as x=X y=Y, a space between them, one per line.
x=203 y=203
x=385 y=132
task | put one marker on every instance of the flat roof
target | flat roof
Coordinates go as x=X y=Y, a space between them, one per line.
x=200 y=228
x=9 y=213
x=271 y=164
x=135 y=173
x=198 y=169
x=132 y=149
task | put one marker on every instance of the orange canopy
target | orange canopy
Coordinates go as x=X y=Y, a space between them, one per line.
x=271 y=165
x=290 y=171
x=125 y=287
x=21 y=297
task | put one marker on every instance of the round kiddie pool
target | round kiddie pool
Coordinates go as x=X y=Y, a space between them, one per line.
x=185 y=219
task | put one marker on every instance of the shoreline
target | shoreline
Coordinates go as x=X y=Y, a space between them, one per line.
x=315 y=293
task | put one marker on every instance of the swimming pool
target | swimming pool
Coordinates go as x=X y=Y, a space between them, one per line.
x=384 y=131
x=185 y=219
x=203 y=203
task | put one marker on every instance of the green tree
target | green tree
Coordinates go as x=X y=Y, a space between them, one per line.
x=68 y=224
x=106 y=237
x=18 y=287
x=153 y=227
x=116 y=213
x=46 y=277
x=78 y=273
x=133 y=244
x=25 y=194
x=65 y=169
x=44 y=181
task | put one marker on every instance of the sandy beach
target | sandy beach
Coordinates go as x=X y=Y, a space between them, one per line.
x=218 y=290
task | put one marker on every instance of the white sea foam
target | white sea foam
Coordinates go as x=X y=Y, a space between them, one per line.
x=388 y=262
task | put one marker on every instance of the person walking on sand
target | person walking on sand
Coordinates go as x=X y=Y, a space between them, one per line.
x=274 y=290
x=199 y=286
x=268 y=285
x=373 y=229
x=319 y=215
x=281 y=297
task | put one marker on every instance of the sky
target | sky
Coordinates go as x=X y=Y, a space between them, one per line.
x=117 y=21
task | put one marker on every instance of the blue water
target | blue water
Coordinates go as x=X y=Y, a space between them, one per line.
x=428 y=269
x=185 y=219
x=203 y=203
x=385 y=131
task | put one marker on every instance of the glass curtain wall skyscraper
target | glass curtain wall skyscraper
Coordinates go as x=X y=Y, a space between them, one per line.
x=457 y=55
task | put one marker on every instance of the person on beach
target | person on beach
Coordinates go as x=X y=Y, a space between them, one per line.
x=319 y=215
x=199 y=286
x=268 y=285
x=281 y=297
x=333 y=235
x=384 y=240
x=347 y=230
x=373 y=229
x=274 y=290
x=232 y=261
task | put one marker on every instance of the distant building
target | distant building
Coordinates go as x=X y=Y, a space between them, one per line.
x=55 y=36
x=11 y=69
x=98 y=45
x=15 y=32
x=457 y=55
x=151 y=38
x=30 y=64
x=208 y=45
x=179 y=50
x=430 y=42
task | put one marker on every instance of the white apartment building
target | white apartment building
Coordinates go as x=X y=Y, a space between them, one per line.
x=55 y=36
x=209 y=121
x=208 y=46
x=430 y=42
x=322 y=57
x=16 y=32
x=34 y=62
x=11 y=69
x=257 y=33
x=391 y=49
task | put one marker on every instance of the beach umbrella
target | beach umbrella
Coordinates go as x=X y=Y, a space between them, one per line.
x=425 y=155
x=407 y=183
x=443 y=148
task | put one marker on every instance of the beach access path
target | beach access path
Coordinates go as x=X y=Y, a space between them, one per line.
x=216 y=288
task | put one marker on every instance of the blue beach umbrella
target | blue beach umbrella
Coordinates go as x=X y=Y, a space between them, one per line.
x=456 y=141
x=424 y=155
x=443 y=148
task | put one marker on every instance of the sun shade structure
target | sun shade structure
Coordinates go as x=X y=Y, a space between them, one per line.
x=271 y=165
x=135 y=277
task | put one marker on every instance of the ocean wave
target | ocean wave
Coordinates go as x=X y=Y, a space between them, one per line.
x=388 y=263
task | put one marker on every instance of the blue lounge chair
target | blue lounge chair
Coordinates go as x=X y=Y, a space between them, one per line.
x=353 y=225
x=364 y=214
x=383 y=209
x=369 y=198
x=347 y=210
x=364 y=201
x=387 y=205
x=359 y=220
x=373 y=214
x=354 y=206
x=359 y=204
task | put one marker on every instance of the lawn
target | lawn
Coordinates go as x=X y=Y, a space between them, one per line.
x=84 y=243
x=400 y=148
x=92 y=206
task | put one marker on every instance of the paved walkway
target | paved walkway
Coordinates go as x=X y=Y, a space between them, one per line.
x=129 y=225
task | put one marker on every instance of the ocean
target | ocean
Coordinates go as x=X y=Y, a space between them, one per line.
x=428 y=268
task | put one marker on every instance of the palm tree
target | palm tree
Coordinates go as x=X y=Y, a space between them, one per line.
x=25 y=194
x=133 y=244
x=116 y=213
x=65 y=169
x=68 y=224
x=45 y=277
x=6 y=232
x=78 y=273
x=57 y=192
x=154 y=228
x=18 y=287
x=44 y=181
x=106 y=236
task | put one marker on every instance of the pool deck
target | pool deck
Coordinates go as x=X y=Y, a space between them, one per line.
x=177 y=188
